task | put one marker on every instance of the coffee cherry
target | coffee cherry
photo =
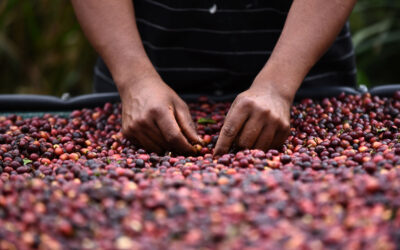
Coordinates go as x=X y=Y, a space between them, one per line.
x=77 y=183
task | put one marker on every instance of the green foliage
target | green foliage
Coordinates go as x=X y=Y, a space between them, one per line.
x=43 y=50
x=376 y=37
x=203 y=120
x=27 y=161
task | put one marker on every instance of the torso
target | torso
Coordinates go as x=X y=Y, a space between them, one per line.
x=219 y=46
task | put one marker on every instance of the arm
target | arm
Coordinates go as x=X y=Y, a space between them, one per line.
x=262 y=113
x=152 y=114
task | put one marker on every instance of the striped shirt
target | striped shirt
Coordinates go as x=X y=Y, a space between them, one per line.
x=215 y=46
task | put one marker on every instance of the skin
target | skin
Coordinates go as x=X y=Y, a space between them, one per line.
x=153 y=114
x=259 y=117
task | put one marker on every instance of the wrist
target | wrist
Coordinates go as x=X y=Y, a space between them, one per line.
x=128 y=75
x=273 y=88
x=279 y=81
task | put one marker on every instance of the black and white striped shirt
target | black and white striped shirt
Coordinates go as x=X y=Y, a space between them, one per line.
x=211 y=46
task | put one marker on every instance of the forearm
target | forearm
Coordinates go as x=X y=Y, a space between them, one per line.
x=153 y=115
x=111 y=29
x=310 y=29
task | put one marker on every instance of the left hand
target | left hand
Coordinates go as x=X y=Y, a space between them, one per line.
x=258 y=118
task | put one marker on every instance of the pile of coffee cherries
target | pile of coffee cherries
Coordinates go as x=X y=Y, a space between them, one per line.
x=77 y=183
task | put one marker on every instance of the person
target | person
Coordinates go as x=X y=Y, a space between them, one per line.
x=151 y=50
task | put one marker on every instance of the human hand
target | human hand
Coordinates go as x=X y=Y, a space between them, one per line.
x=258 y=118
x=155 y=117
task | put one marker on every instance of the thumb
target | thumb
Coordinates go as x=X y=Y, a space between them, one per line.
x=186 y=124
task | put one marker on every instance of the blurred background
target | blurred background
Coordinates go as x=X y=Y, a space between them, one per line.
x=43 y=50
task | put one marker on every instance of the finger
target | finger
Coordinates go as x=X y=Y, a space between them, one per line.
x=266 y=137
x=172 y=133
x=146 y=142
x=250 y=133
x=148 y=128
x=233 y=123
x=279 y=138
x=156 y=140
x=187 y=126
x=156 y=136
x=134 y=141
x=150 y=145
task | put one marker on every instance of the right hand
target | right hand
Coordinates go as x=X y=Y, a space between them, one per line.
x=155 y=117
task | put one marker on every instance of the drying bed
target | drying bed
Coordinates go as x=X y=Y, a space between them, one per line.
x=77 y=183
